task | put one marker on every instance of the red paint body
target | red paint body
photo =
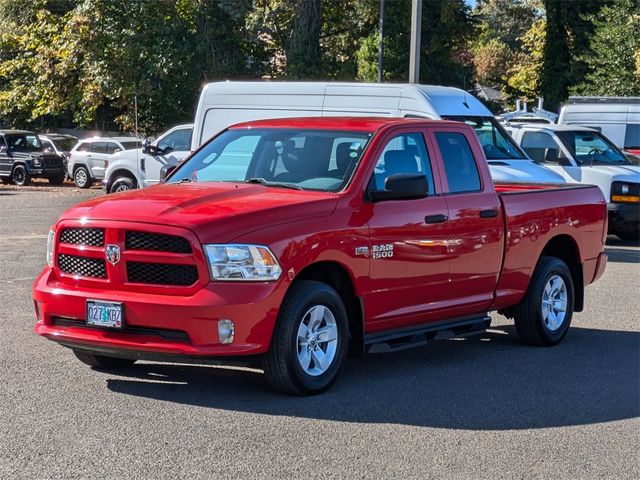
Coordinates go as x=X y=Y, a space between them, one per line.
x=466 y=265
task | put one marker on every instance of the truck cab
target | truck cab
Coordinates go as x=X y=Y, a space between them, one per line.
x=584 y=155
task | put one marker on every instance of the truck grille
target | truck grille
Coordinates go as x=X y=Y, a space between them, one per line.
x=92 y=237
x=146 y=257
x=155 y=241
x=161 y=273
x=82 y=266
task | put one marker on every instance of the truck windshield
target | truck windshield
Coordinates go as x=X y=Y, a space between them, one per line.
x=22 y=142
x=291 y=158
x=591 y=147
x=495 y=141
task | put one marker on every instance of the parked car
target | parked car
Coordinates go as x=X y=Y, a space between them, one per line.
x=583 y=155
x=90 y=157
x=141 y=167
x=617 y=118
x=290 y=241
x=23 y=157
x=59 y=143
x=224 y=103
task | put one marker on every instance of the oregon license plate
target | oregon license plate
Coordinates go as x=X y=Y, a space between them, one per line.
x=104 y=314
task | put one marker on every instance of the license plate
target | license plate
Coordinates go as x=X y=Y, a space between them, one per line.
x=104 y=314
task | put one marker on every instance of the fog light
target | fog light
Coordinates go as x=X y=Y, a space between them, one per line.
x=226 y=330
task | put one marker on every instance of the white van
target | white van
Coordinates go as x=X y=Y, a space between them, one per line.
x=223 y=104
x=617 y=118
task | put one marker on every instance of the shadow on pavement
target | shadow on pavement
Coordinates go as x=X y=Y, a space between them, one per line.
x=487 y=383
x=622 y=255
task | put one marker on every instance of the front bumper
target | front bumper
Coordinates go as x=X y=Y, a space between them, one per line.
x=165 y=325
x=46 y=172
x=623 y=214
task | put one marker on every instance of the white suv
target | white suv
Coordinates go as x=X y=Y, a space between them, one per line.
x=143 y=167
x=90 y=157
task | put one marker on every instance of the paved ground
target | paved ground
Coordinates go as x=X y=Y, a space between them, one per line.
x=481 y=408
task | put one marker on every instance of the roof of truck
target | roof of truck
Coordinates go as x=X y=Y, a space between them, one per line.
x=359 y=124
x=553 y=127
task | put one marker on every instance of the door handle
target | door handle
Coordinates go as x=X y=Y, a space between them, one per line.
x=491 y=213
x=440 y=218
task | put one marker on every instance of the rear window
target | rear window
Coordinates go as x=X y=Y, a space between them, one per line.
x=460 y=167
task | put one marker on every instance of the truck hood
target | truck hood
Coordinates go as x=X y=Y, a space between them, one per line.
x=627 y=173
x=522 y=171
x=215 y=211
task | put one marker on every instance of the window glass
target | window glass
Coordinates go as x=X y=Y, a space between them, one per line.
x=180 y=140
x=22 y=142
x=632 y=136
x=113 y=148
x=590 y=148
x=495 y=141
x=294 y=158
x=84 y=147
x=130 y=145
x=541 y=147
x=459 y=165
x=98 y=147
x=405 y=153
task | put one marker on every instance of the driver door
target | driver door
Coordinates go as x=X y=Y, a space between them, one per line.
x=172 y=148
x=547 y=150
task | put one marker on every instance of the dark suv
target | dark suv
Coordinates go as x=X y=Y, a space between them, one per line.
x=22 y=156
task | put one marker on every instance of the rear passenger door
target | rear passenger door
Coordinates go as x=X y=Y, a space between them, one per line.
x=474 y=225
x=96 y=157
x=409 y=263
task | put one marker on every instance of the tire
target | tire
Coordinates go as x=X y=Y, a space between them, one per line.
x=304 y=304
x=20 y=176
x=101 y=362
x=630 y=235
x=81 y=177
x=59 y=180
x=551 y=286
x=122 y=184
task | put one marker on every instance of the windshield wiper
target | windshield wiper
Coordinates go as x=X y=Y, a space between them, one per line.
x=187 y=180
x=267 y=183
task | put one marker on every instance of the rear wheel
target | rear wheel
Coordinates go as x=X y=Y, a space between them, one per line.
x=122 y=184
x=20 y=176
x=81 y=177
x=544 y=314
x=310 y=341
x=101 y=362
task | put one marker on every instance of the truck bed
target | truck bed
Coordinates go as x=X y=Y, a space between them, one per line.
x=536 y=214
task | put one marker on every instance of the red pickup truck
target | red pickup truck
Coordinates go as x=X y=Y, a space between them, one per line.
x=294 y=241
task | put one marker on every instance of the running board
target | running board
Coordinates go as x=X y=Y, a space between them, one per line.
x=396 y=340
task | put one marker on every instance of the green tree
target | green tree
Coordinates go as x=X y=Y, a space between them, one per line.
x=614 y=56
x=524 y=76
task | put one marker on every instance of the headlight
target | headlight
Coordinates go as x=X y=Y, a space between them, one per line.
x=242 y=263
x=623 y=192
x=50 y=240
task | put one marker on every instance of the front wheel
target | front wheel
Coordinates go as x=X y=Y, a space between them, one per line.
x=20 y=176
x=81 y=177
x=58 y=180
x=101 y=362
x=543 y=316
x=122 y=184
x=310 y=341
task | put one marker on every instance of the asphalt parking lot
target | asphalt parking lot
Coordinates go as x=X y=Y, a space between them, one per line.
x=484 y=407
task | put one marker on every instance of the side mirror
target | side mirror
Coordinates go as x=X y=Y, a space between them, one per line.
x=401 y=186
x=3 y=148
x=551 y=155
x=166 y=171
x=148 y=148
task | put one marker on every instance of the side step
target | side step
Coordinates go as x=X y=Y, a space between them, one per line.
x=402 y=339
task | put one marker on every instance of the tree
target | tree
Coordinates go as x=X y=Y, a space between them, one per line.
x=614 y=56
x=524 y=76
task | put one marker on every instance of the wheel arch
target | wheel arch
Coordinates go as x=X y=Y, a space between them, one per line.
x=122 y=172
x=339 y=278
x=565 y=248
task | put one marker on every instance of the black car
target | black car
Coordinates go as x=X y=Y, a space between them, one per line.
x=22 y=156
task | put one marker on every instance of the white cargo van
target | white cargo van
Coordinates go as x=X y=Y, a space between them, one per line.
x=222 y=104
x=617 y=118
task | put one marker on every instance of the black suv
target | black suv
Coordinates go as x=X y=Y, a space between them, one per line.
x=22 y=156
